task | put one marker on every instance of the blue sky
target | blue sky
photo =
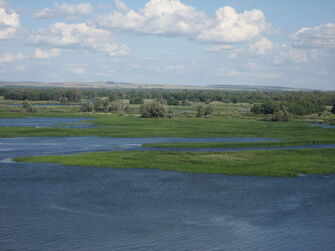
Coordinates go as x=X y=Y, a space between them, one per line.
x=189 y=42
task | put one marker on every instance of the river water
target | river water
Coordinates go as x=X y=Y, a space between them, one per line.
x=54 y=207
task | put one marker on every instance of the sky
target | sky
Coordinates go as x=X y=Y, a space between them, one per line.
x=289 y=43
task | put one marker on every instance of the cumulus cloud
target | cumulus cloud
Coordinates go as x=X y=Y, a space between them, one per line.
x=159 y=17
x=9 y=57
x=46 y=54
x=261 y=46
x=322 y=36
x=232 y=27
x=172 y=18
x=9 y=22
x=81 y=36
x=65 y=11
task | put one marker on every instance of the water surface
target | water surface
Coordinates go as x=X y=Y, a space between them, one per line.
x=45 y=122
x=53 y=207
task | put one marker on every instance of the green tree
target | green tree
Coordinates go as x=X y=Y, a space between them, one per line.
x=333 y=109
x=204 y=110
x=87 y=107
x=101 y=105
x=155 y=109
x=28 y=106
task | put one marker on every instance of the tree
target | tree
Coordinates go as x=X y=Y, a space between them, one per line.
x=204 y=110
x=281 y=115
x=333 y=109
x=101 y=105
x=28 y=106
x=155 y=109
x=87 y=107
x=136 y=100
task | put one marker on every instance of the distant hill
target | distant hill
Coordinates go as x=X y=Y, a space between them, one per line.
x=124 y=85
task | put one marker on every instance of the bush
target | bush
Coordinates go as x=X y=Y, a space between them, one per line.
x=333 y=109
x=204 y=110
x=155 y=109
x=136 y=101
x=101 y=105
x=28 y=106
x=87 y=107
x=281 y=115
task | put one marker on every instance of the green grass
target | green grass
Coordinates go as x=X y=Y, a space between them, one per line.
x=220 y=126
x=236 y=144
x=278 y=163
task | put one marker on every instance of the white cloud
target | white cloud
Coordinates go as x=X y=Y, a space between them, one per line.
x=232 y=27
x=298 y=55
x=261 y=47
x=175 y=67
x=159 y=17
x=9 y=58
x=81 y=36
x=65 y=10
x=9 y=23
x=322 y=36
x=228 y=72
x=47 y=54
x=77 y=70
x=170 y=68
x=172 y=18
x=220 y=48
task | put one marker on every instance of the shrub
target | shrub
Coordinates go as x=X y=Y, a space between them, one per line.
x=87 y=107
x=281 y=115
x=28 y=106
x=101 y=105
x=204 y=110
x=155 y=109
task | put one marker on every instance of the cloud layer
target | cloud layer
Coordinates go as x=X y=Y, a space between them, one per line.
x=9 y=23
x=65 y=10
x=173 y=18
x=322 y=36
x=81 y=36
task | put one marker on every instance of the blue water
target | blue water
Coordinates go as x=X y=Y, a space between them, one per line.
x=45 y=122
x=53 y=207
x=323 y=125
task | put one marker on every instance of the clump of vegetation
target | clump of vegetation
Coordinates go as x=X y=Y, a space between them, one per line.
x=204 y=110
x=136 y=100
x=185 y=102
x=333 y=109
x=101 y=105
x=104 y=105
x=28 y=106
x=299 y=107
x=155 y=109
x=87 y=107
x=281 y=114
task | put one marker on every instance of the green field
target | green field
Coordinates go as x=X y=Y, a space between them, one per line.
x=229 y=120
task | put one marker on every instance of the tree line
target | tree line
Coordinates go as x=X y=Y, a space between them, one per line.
x=173 y=97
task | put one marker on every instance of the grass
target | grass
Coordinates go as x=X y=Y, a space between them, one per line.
x=236 y=144
x=277 y=163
